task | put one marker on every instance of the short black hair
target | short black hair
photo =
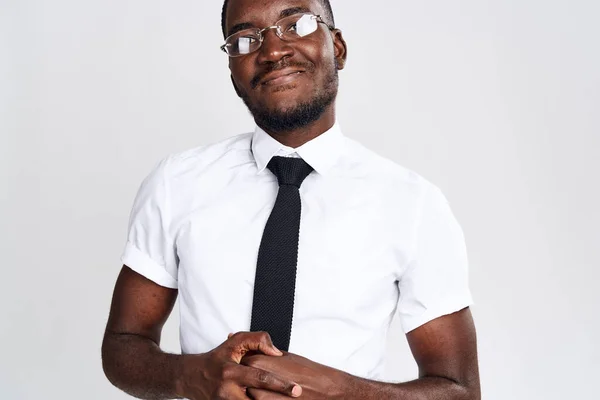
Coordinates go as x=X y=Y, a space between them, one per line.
x=325 y=3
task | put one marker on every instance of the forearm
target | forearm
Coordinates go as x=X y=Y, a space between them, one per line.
x=427 y=388
x=139 y=367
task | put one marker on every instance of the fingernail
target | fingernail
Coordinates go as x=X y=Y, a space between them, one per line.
x=297 y=391
x=278 y=351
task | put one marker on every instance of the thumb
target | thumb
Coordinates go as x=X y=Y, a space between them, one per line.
x=252 y=341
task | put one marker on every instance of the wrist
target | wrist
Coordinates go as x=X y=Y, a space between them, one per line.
x=343 y=387
x=182 y=372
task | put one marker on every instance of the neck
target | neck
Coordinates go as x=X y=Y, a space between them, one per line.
x=298 y=137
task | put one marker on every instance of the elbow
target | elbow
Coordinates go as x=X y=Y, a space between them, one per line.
x=470 y=391
x=466 y=391
x=108 y=362
x=474 y=395
x=462 y=390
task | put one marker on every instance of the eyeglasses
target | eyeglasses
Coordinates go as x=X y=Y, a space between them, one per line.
x=288 y=29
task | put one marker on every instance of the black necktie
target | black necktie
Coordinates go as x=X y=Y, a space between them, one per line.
x=275 y=283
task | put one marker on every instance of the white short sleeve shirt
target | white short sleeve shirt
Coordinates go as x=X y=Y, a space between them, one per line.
x=376 y=240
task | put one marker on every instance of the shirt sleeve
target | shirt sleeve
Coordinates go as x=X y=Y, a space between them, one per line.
x=435 y=282
x=150 y=249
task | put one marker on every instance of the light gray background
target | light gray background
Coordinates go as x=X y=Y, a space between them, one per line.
x=496 y=102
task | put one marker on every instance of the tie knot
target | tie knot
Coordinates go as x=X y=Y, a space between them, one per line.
x=289 y=171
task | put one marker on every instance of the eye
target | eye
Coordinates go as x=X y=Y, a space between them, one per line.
x=245 y=44
x=302 y=26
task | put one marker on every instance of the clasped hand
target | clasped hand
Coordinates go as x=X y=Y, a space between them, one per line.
x=317 y=381
x=248 y=366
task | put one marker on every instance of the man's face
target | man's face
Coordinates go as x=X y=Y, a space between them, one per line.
x=295 y=100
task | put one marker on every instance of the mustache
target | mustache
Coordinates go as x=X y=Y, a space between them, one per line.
x=307 y=66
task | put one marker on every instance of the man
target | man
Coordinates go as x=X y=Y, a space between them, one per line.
x=291 y=237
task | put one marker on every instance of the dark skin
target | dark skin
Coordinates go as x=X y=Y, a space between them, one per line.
x=445 y=351
x=320 y=49
x=246 y=365
x=133 y=361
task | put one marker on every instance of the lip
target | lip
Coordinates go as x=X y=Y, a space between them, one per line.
x=280 y=77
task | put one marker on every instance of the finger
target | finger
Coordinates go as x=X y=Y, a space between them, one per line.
x=242 y=342
x=259 y=394
x=260 y=379
x=233 y=392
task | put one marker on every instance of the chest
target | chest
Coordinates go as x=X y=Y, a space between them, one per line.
x=353 y=240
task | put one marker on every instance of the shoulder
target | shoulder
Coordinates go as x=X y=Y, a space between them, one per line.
x=207 y=154
x=367 y=162
x=225 y=152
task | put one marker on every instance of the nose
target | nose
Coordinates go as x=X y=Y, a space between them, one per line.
x=273 y=48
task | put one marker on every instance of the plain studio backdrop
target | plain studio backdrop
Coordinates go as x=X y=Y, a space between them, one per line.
x=496 y=102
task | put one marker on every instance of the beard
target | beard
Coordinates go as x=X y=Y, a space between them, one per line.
x=300 y=115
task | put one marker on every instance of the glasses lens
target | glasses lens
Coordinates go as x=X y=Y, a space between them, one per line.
x=300 y=25
x=292 y=27
x=243 y=42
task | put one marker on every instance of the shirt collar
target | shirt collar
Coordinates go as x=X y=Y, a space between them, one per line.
x=321 y=153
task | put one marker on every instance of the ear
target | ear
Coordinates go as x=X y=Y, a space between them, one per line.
x=235 y=86
x=340 y=48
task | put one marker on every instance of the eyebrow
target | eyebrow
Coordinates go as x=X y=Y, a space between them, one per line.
x=285 y=13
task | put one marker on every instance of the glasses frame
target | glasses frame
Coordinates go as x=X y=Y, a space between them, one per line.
x=277 y=27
